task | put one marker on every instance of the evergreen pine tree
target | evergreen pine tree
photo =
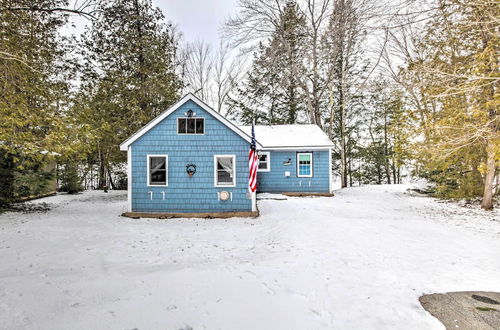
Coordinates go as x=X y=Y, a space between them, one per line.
x=387 y=145
x=271 y=93
x=129 y=75
x=33 y=92
x=457 y=68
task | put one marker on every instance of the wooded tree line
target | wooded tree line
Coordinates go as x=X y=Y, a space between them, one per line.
x=422 y=102
x=425 y=103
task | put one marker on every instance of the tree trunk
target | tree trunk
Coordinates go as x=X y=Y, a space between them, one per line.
x=315 y=112
x=487 y=202
x=350 y=171
x=495 y=190
x=92 y=184
x=102 y=171
x=343 y=142
x=111 y=183
x=343 y=161
x=386 y=150
x=393 y=166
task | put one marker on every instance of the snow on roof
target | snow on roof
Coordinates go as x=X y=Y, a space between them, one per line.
x=289 y=136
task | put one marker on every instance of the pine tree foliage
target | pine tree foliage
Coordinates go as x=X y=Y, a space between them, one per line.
x=33 y=77
x=388 y=130
x=321 y=58
x=457 y=69
x=344 y=61
x=272 y=93
x=70 y=178
x=309 y=66
x=33 y=94
x=129 y=76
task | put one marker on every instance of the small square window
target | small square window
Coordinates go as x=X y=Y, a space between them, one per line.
x=191 y=127
x=200 y=126
x=181 y=126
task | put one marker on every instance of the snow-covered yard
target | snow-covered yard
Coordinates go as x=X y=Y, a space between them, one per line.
x=359 y=260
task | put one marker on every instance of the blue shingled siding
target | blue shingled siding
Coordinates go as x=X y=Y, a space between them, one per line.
x=275 y=180
x=184 y=193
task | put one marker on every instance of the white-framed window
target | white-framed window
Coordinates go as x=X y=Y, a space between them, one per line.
x=187 y=125
x=157 y=169
x=264 y=161
x=225 y=170
x=304 y=164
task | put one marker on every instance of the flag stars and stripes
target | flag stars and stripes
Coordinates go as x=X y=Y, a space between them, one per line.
x=253 y=161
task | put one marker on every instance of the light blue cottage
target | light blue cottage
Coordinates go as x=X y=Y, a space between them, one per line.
x=190 y=159
x=293 y=158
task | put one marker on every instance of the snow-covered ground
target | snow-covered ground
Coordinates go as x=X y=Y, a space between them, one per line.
x=358 y=260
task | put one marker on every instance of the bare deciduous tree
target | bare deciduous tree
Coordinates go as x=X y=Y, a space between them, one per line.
x=212 y=74
x=199 y=68
x=228 y=70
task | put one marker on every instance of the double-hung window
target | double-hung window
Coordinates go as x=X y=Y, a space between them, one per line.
x=190 y=125
x=304 y=164
x=225 y=170
x=157 y=170
x=264 y=161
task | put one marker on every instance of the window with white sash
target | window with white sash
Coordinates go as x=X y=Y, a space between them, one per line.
x=264 y=161
x=224 y=170
x=304 y=164
x=157 y=169
x=190 y=125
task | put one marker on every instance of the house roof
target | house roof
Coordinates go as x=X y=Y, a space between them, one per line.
x=296 y=136
x=189 y=97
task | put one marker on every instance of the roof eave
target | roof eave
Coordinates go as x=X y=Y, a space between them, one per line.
x=317 y=147
x=190 y=96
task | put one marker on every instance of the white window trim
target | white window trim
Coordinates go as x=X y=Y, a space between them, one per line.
x=268 y=161
x=148 y=171
x=204 y=122
x=234 y=171
x=298 y=173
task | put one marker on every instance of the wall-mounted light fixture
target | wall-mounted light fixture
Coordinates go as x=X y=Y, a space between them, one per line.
x=190 y=113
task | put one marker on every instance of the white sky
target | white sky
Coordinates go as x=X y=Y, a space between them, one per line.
x=196 y=19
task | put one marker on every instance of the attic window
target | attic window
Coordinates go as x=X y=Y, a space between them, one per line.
x=190 y=125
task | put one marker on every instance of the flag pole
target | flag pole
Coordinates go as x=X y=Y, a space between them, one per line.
x=254 y=194
x=253 y=160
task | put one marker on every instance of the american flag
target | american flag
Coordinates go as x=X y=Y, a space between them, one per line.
x=253 y=161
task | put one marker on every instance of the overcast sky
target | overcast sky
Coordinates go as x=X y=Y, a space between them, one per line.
x=196 y=19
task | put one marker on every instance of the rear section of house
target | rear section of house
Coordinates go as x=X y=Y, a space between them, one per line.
x=293 y=158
